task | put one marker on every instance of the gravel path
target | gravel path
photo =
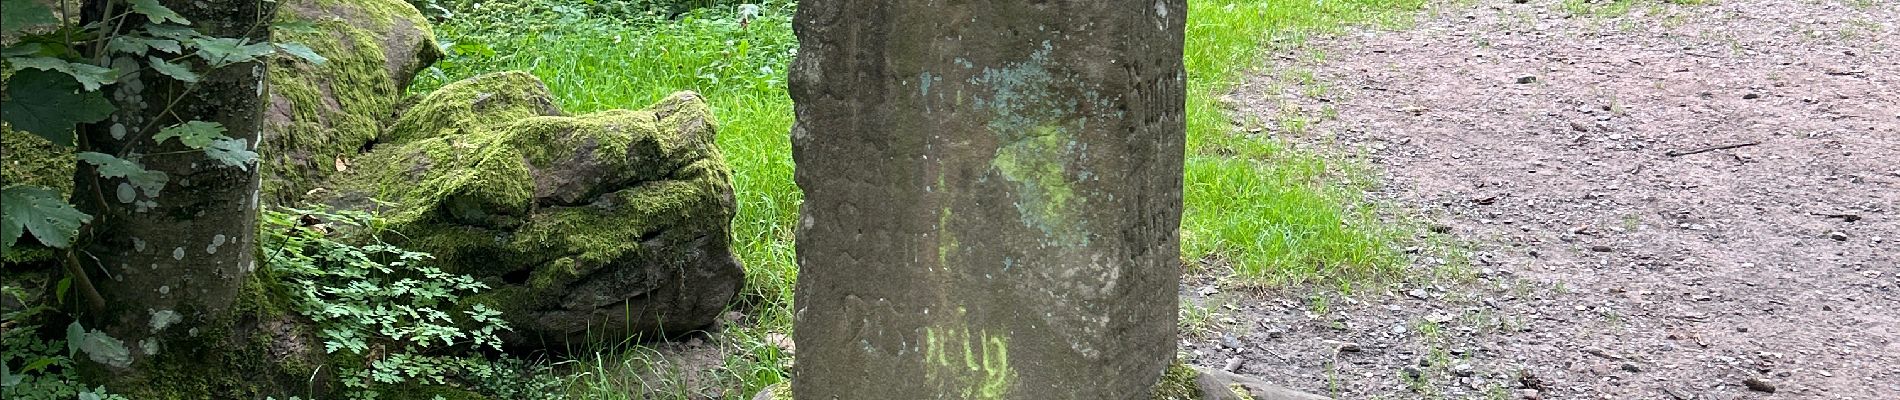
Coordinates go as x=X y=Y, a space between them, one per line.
x=1610 y=265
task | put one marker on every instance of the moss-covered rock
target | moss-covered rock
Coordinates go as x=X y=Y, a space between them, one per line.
x=321 y=115
x=603 y=225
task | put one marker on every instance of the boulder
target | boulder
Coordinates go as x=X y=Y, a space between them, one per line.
x=605 y=225
x=321 y=114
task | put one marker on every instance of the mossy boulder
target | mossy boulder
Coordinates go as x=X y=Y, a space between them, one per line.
x=322 y=114
x=600 y=226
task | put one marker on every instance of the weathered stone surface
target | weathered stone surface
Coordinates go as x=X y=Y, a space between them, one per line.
x=604 y=225
x=321 y=115
x=992 y=193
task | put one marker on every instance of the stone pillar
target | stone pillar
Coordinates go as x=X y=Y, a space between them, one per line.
x=992 y=193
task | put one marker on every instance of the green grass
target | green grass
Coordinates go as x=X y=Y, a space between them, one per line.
x=1277 y=216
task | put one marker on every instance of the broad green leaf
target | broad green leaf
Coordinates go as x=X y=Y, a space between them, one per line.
x=140 y=45
x=7 y=378
x=232 y=152
x=304 y=52
x=20 y=50
x=113 y=167
x=128 y=44
x=225 y=51
x=158 y=13
x=194 y=134
x=48 y=104
x=22 y=14
x=40 y=211
x=174 y=32
x=179 y=72
x=167 y=45
x=88 y=75
x=74 y=332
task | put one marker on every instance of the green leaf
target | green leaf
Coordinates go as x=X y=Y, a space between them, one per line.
x=60 y=289
x=179 y=72
x=113 y=167
x=88 y=75
x=194 y=134
x=20 y=50
x=232 y=152
x=22 y=14
x=41 y=211
x=168 y=45
x=174 y=32
x=74 y=333
x=158 y=13
x=304 y=52
x=225 y=51
x=127 y=44
x=48 y=104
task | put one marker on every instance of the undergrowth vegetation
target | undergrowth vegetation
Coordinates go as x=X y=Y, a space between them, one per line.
x=1274 y=215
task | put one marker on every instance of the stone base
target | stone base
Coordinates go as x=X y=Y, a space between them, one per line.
x=1209 y=384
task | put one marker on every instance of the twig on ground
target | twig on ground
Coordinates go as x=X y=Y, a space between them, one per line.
x=1675 y=153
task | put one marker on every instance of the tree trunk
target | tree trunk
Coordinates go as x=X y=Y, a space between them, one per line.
x=992 y=193
x=183 y=315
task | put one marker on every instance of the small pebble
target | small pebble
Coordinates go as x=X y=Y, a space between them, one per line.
x=1759 y=385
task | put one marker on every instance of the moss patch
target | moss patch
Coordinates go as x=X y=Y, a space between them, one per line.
x=322 y=115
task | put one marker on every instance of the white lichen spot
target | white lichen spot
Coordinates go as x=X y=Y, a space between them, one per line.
x=126 y=194
x=167 y=289
x=118 y=131
x=149 y=346
x=162 y=319
x=1161 y=10
x=138 y=245
x=178 y=253
x=216 y=241
x=193 y=332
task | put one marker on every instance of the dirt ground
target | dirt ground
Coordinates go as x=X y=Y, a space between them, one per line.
x=1616 y=255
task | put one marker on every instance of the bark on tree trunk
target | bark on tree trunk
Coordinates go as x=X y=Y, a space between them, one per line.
x=176 y=269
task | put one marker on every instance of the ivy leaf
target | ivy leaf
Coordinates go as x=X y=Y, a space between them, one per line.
x=22 y=14
x=48 y=104
x=88 y=75
x=179 y=72
x=113 y=167
x=226 y=51
x=232 y=152
x=158 y=13
x=194 y=134
x=304 y=52
x=41 y=211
